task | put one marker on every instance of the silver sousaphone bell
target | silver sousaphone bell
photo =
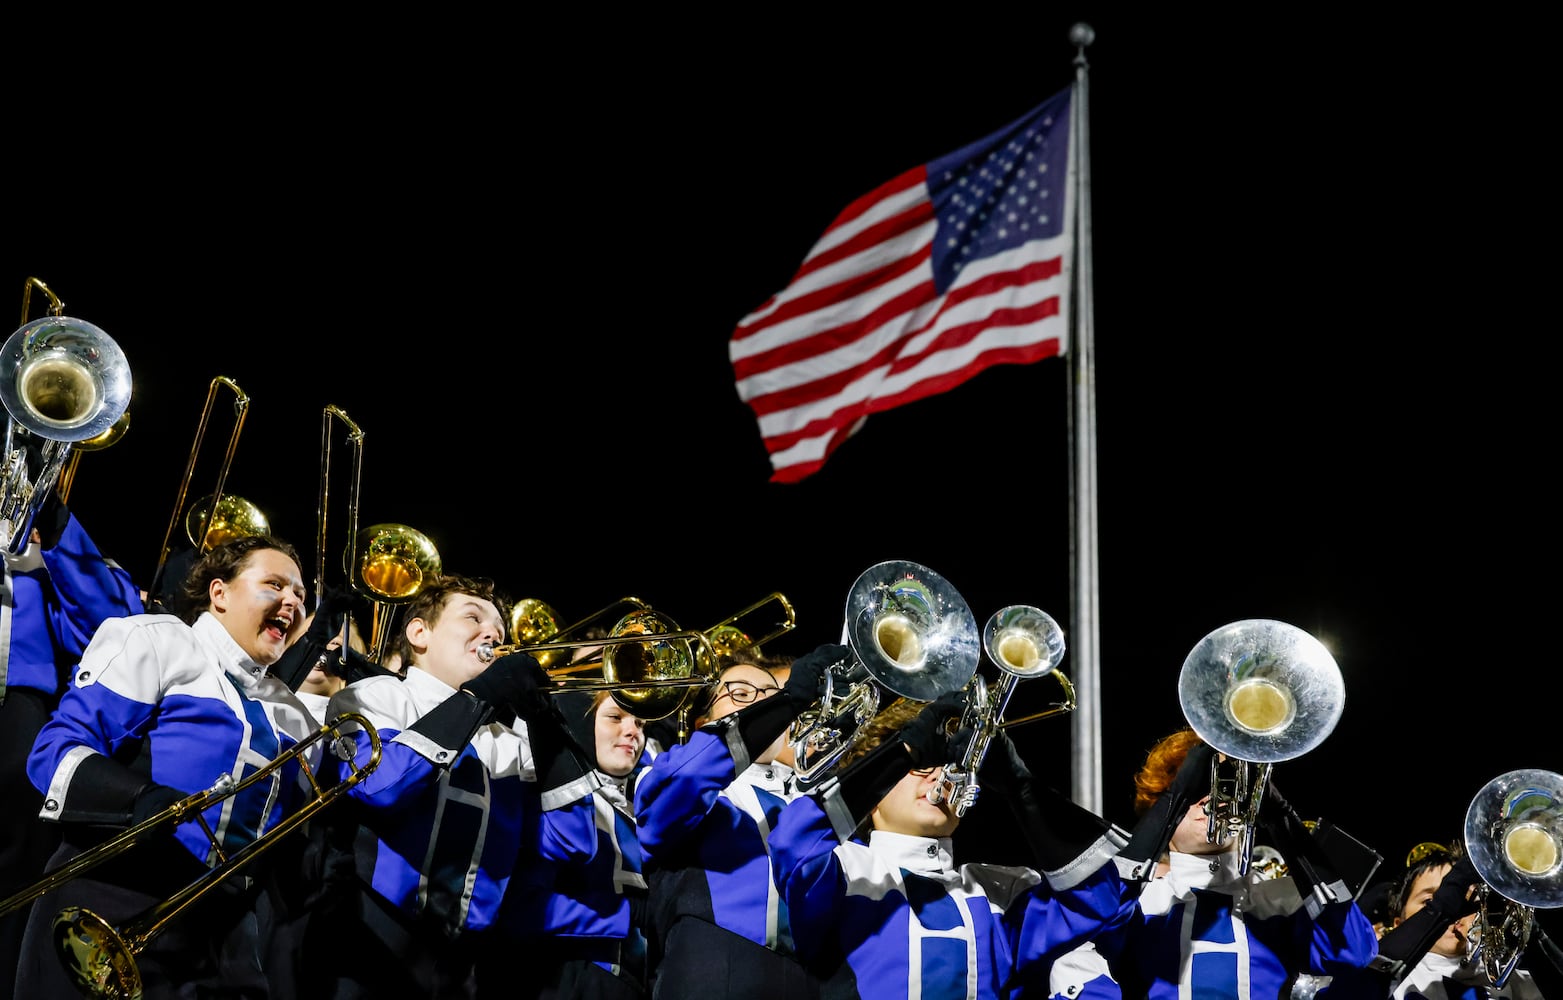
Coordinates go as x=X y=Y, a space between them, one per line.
x=1514 y=836
x=63 y=381
x=907 y=631
x=1259 y=691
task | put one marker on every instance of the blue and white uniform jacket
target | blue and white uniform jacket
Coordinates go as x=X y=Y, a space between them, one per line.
x=697 y=816
x=576 y=890
x=1203 y=930
x=51 y=603
x=449 y=837
x=1441 y=977
x=202 y=710
x=894 y=918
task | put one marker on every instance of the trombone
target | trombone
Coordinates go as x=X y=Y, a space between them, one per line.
x=390 y=564
x=63 y=381
x=99 y=957
x=648 y=665
x=216 y=518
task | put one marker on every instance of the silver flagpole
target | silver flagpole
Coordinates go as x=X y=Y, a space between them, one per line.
x=1084 y=669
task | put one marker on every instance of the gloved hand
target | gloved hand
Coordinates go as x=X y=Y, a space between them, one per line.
x=1151 y=835
x=803 y=683
x=335 y=603
x=1002 y=769
x=50 y=523
x=928 y=736
x=295 y=663
x=513 y=681
x=153 y=799
x=1451 y=896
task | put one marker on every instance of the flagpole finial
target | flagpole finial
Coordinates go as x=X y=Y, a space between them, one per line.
x=1082 y=34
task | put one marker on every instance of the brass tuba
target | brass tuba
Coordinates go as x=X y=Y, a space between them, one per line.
x=908 y=631
x=63 y=381
x=1258 y=691
x=1514 y=836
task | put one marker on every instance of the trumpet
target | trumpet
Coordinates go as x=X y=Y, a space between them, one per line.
x=908 y=631
x=1025 y=643
x=63 y=381
x=99 y=957
x=1257 y=691
x=1514 y=836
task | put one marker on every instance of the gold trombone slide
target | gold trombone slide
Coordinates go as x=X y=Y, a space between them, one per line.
x=99 y=957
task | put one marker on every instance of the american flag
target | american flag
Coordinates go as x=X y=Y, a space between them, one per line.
x=955 y=265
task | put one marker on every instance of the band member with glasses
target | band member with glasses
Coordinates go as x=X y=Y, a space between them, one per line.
x=705 y=808
x=447 y=803
x=895 y=916
x=1199 y=923
x=160 y=708
x=56 y=594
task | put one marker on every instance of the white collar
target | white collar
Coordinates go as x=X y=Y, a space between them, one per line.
x=235 y=662
x=924 y=855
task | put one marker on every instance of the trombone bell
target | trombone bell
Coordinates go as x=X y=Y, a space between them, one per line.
x=236 y=517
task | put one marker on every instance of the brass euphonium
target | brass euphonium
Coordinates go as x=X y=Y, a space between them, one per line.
x=1514 y=836
x=907 y=630
x=62 y=381
x=1258 y=691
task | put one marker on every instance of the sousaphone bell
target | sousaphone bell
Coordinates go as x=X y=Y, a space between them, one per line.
x=1514 y=837
x=1258 y=691
x=908 y=631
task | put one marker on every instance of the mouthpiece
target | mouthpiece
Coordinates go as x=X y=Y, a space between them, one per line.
x=486 y=652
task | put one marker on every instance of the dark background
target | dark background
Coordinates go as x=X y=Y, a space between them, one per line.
x=1322 y=296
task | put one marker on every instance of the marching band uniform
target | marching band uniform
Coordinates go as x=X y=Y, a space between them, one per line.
x=185 y=705
x=716 y=919
x=1445 y=977
x=579 y=902
x=53 y=597
x=1203 y=926
x=447 y=804
x=896 y=917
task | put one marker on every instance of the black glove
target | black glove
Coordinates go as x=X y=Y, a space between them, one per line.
x=1402 y=947
x=1453 y=894
x=153 y=799
x=803 y=683
x=511 y=682
x=928 y=736
x=52 y=518
x=294 y=665
x=1151 y=835
x=351 y=665
x=1310 y=869
x=1068 y=842
x=751 y=730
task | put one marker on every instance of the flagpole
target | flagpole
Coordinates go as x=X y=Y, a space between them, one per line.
x=1086 y=719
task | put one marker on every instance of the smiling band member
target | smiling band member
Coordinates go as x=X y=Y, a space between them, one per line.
x=446 y=801
x=160 y=708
